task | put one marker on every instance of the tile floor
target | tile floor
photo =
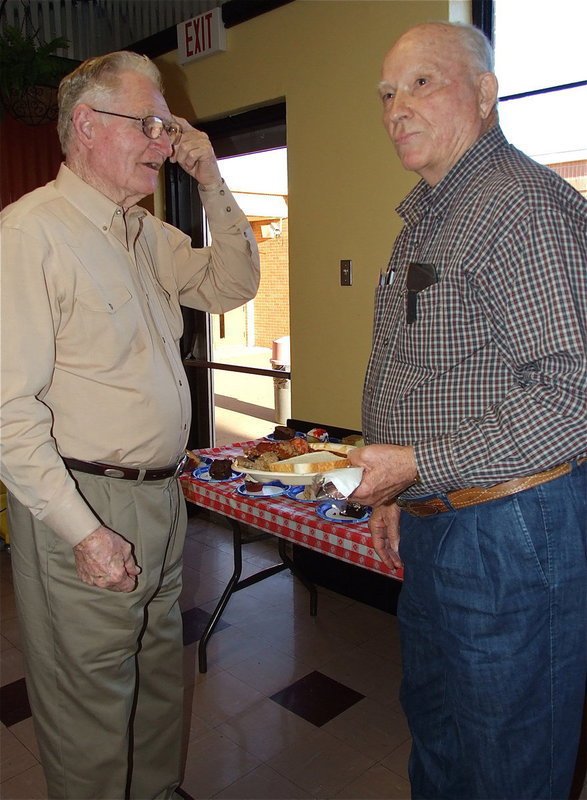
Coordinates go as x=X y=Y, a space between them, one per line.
x=292 y=706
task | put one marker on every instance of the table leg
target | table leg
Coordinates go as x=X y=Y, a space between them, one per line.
x=235 y=584
x=300 y=576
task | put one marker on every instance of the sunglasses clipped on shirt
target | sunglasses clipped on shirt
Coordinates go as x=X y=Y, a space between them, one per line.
x=152 y=126
x=420 y=276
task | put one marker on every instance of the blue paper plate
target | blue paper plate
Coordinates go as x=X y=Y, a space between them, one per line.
x=268 y=490
x=272 y=438
x=202 y=474
x=331 y=511
x=295 y=492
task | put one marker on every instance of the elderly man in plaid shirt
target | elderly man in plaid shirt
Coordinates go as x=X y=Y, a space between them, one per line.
x=474 y=414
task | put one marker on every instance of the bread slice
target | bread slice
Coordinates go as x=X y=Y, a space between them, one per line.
x=332 y=447
x=317 y=461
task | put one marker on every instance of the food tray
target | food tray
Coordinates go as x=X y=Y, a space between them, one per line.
x=288 y=478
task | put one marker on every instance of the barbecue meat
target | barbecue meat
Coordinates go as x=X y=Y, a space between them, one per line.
x=294 y=447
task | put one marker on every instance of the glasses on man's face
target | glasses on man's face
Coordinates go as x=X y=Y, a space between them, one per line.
x=153 y=127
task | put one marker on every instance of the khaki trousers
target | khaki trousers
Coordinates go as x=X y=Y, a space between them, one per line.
x=104 y=669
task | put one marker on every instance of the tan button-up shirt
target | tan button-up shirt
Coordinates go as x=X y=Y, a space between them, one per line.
x=91 y=322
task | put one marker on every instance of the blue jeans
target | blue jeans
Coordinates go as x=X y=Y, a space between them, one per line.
x=493 y=623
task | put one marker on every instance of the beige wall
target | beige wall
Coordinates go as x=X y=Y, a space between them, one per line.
x=323 y=57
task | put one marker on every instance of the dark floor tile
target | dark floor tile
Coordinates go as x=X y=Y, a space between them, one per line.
x=14 y=703
x=317 y=698
x=194 y=624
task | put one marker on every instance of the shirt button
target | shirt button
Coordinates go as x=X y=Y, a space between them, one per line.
x=104 y=227
x=180 y=383
x=118 y=212
x=228 y=208
x=222 y=192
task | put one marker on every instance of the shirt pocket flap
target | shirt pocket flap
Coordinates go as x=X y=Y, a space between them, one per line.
x=107 y=299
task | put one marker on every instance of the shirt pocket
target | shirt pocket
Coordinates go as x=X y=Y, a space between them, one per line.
x=448 y=328
x=105 y=317
x=106 y=299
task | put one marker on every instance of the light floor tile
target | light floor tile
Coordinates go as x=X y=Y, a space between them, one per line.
x=213 y=763
x=266 y=729
x=321 y=764
x=15 y=758
x=268 y=670
x=376 y=783
x=11 y=665
x=263 y=783
x=28 y=785
x=397 y=760
x=25 y=733
x=221 y=697
x=370 y=728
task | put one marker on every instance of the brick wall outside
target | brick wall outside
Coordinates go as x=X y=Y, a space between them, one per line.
x=575 y=172
x=272 y=300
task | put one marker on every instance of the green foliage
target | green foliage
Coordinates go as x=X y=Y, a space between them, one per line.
x=24 y=61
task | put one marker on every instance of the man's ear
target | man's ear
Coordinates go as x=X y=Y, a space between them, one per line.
x=487 y=93
x=83 y=124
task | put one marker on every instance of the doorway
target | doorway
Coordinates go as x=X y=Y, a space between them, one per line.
x=238 y=363
x=249 y=405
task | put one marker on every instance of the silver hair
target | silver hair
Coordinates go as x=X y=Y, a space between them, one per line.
x=96 y=79
x=474 y=42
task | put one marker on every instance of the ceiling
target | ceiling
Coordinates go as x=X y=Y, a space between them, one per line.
x=94 y=27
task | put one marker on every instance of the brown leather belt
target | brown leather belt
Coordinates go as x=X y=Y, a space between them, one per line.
x=127 y=473
x=462 y=498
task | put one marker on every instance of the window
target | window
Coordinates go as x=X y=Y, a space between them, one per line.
x=540 y=66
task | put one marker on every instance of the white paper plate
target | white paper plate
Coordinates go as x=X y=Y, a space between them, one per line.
x=290 y=478
x=268 y=490
x=331 y=510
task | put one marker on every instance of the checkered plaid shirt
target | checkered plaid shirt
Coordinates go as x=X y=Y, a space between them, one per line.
x=490 y=381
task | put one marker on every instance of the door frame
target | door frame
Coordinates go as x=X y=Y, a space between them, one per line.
x=237 y=134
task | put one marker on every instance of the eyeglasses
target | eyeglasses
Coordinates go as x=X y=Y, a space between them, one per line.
x=153 y=127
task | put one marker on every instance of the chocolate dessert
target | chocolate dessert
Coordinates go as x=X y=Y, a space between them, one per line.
x=253 y=486
x=282 y=432
x=355 y=510
x=220 y=469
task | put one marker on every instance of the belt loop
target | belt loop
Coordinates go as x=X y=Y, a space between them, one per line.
x=447 y=503
x=141 y=476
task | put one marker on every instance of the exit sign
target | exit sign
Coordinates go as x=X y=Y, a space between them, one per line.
x=201 y=36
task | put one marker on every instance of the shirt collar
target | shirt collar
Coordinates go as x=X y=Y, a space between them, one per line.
x=94 y=205
x=424 y=198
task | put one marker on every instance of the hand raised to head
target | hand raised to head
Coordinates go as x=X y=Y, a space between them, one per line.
x=195 y=155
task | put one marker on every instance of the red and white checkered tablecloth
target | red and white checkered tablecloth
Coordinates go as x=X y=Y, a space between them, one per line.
x=284 y=517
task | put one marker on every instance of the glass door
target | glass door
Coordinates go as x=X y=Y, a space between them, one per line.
x=238 y=363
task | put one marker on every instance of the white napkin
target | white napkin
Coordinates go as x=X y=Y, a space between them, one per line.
x=340 y=483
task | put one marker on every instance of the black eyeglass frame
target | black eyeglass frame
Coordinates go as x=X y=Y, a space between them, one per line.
x=173 y=130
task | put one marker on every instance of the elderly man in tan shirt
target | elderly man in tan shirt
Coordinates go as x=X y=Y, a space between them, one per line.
x=95 y=418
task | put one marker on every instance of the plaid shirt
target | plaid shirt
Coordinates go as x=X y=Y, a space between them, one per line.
x=490 y=381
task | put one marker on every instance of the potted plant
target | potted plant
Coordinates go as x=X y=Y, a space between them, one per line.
x=29 y=75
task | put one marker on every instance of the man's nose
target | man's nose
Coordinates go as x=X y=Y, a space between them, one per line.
x=401 y=107
x=163 y=144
